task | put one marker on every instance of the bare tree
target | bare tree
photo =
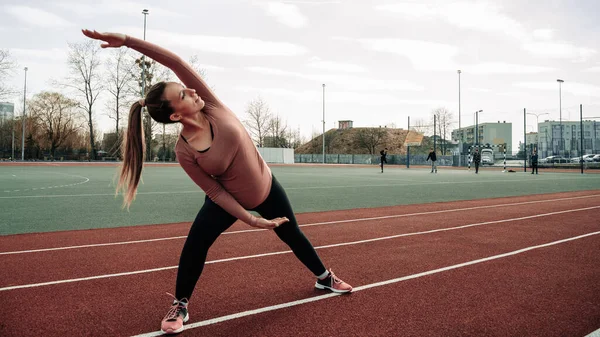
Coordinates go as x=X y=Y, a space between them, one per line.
x=56 y=118
x=294 y=139
x=119 y=71
x=277 y=132
x=421 y=126
x=85 y=79
x=195 y=64
x=443 y=126
x=7 y=67
x=370 y=138
x=316 y=142
x=258 y=121
x=6 y=129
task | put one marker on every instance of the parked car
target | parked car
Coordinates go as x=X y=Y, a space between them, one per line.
x=555 y=159
x=596 y=157
x=487 y=156
x=586 y=158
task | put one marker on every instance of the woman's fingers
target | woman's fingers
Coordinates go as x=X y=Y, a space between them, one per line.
x=92 y=34
x=280 y=221
x=270 y=224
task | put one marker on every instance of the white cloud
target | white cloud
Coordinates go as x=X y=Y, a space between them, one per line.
x=287 y=14
x=37 y=17
x=480 y=16
x=233 y=45
x=423 y=55
x=479 y=89
x=593 y=69
x=506 y=68
x=357 y=97
x=56 y=54
x=211 y=67
x=316 y=2
x=432 y=56
x=512 y=94
x=560 y=50
x=344 y=81
x=335 y=66
x=293 y=94
x=543 y=34
x=112 y=7
x=376 y=99
x=567 y=87
x=488 y=17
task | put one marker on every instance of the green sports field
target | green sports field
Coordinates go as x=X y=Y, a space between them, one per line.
x=53 y=198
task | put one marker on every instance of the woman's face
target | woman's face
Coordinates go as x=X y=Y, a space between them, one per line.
x=184 y=101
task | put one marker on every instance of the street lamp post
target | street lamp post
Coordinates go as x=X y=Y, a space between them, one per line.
x=323 y=123
x=561 y=147
x=458 y=71
x=23 y=121
x=460 y=149
x=477 y=127
x=537 y=116
x=524 y=140
x=145 y=12
x=13 y=140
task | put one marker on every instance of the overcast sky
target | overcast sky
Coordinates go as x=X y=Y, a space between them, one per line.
x=381 y=61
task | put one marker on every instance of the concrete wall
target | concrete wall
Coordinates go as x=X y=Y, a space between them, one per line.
x=277 y=155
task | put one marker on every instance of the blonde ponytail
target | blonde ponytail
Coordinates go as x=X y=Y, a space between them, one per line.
x=133 y=152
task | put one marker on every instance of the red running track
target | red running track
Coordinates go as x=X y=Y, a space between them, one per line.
x=495 y=267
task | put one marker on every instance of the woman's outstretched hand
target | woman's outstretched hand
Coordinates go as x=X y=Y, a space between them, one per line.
x=270 y=224
x=113 y=40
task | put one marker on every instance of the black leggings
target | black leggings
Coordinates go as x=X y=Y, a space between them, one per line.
x=212 y=220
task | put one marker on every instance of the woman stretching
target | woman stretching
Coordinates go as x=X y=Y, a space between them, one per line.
x=217 y=153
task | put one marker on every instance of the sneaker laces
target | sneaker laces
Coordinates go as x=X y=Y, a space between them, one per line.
x=334 y=278
x=176 y=308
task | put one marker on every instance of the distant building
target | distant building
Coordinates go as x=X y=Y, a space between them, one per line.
x=343 y=125
x=489 y=134
x=531 y=139
x=551 y=143
x=7 y=111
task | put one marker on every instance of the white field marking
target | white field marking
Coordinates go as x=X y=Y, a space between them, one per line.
x=32 y=285
x=305 y=225
x=42 y=188
x=594 y=334
x=303 y=188
x=368 y=286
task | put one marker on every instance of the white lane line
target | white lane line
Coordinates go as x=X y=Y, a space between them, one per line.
x=237 y=258
x=368 y=286
x=305 y=225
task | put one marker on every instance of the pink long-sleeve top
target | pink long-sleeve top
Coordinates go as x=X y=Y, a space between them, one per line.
x=232 y=172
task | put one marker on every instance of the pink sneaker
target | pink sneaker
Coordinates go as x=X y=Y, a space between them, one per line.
x=177 y=315
x=333 y=283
